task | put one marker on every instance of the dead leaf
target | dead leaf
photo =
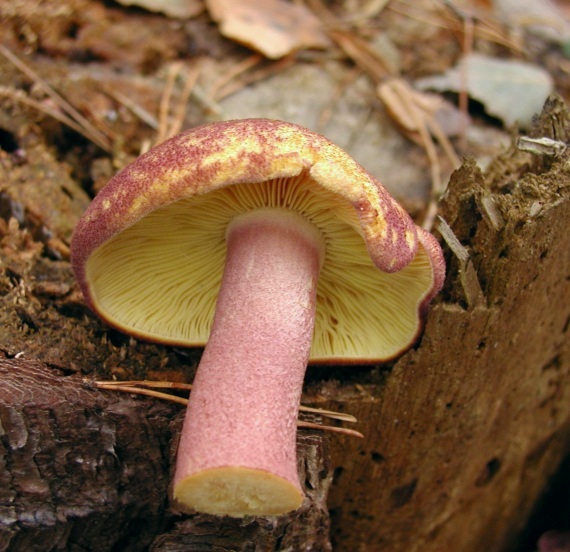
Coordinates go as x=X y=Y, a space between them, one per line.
x=274 y=28
x=512 y=90
x=415 y=113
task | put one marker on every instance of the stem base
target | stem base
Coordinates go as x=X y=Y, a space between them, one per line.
x=238 y=491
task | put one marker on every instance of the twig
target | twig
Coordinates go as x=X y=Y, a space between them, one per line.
x=372 y=8
x=143 y=391
x=167 y=126
x=88 y=130
x=467 y=45
x=254 y=76
x=483 y=29
x=239 y=68
x=362 y=54
x=333 y=429
x=467 y=274
x=189 y=82
x=140 y=112
x=329 y=414
x=145 y=387
x=211 y=106
x=165 y=99
x=145 y=384
x=21 y=97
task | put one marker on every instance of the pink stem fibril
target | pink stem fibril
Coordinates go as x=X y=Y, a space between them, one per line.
x=237 y=453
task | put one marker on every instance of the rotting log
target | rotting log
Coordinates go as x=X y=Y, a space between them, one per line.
x=463 y=433
x=79 y=469
x=82 y=469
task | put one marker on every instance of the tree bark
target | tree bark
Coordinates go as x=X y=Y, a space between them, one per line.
x=82 y=469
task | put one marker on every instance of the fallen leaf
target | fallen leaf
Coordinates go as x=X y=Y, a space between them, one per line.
x=274 y=28
x=415 y=112
x=512 y=90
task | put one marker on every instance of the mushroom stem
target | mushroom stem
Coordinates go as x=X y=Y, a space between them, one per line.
x=237 y=453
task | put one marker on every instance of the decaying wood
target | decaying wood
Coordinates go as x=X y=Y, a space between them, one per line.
x=82 y=469
x=463 y=433
x=74 y=475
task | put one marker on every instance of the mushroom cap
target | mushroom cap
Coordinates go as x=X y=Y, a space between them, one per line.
x=149 y=251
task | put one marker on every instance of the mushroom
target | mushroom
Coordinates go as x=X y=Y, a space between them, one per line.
x=269 y=245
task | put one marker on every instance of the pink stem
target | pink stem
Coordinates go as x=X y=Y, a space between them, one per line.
x=243 y=407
